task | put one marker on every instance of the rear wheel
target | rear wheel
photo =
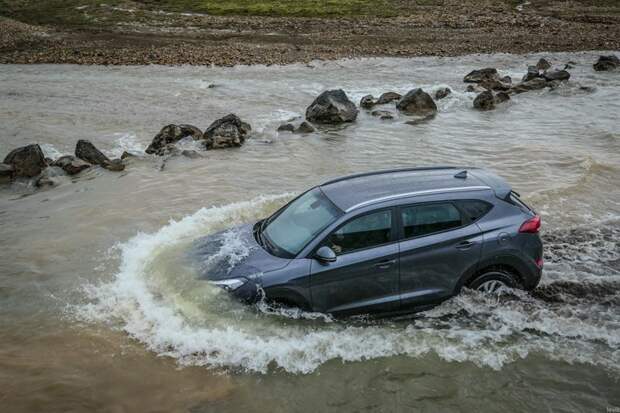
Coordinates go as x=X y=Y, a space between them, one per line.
x=494 y=281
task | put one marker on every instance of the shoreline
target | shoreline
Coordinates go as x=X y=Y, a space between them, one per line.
x=120 y=36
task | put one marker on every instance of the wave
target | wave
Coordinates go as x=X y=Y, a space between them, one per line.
x=156 y=299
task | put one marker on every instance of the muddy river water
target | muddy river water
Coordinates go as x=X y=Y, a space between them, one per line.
x=100 y=310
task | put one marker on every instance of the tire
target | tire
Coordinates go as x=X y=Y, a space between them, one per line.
x=494 y=280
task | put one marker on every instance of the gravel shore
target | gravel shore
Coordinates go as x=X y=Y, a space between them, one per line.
x=141 y=36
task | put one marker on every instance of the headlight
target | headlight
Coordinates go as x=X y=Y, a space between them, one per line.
x=231 y=284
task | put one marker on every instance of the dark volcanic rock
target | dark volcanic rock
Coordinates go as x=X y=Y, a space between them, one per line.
x=6 y=171
x=382 y=114
x=367 y=102
x=532 y=73
x=534 y=84
x=286 y=127
x=171 y=134
x=331 y=107
x=305 y=127
x=506 y=79
x=227 y=132
x=501 y=97
x=560 y=75
x=417 y=102
x=70 y=164
x=543 y=64
x=442 y=93
x=86 y=151
x=27 y=161
x=477 y=76
x=485 y=101
x=388 y=97
x=474 y=89
x=605 y=63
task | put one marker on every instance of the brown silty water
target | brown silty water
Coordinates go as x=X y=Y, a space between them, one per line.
x=101 y=311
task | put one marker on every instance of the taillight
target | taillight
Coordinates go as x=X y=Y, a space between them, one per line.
x=539 y=263
x=531 y=226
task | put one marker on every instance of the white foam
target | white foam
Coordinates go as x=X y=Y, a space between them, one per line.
x=487 y=331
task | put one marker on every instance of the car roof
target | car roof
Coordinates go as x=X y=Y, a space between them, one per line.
x=355 y=191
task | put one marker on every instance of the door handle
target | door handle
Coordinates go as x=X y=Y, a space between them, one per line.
x=465 y=245
x=385 y=264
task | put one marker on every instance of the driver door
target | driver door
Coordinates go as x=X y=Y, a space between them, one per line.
x=365 y=276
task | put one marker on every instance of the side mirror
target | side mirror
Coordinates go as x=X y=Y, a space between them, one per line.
x=325 y=255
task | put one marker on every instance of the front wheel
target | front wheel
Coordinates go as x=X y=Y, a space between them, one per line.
x=494 y=281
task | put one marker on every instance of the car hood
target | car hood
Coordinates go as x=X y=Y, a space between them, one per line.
x=233 y=253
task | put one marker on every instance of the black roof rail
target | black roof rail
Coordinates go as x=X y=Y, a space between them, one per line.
x=388 y=171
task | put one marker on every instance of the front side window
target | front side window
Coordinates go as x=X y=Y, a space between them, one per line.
x=363 y=232
x=300 y=222
x=426 y=219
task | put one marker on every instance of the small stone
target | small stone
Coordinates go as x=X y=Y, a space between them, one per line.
x=543 y=64
x=305 y=127
x=367 y=102
x=442 y=93
x=388 y=97
x=286 y=127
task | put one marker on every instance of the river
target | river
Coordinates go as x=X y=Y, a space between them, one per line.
x=102 y=312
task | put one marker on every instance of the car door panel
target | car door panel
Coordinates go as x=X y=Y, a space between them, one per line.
x=358 y=282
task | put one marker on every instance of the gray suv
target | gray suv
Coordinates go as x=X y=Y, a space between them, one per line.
x=385 y=242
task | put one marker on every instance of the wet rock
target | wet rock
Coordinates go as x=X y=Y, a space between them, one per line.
x=543 y=64
x=191 y=154
x=560 y=75
x=6 y=171
x=286 y=127
x=442 y=93
x=27 y=161
x=86 y=151
x=169 y=135
x=481 y=75
x=532 y=73
x=421 y=120
x=533 y=84
x=495 y=85
x=305 y=127
x=606 y=63
x=49 y=177
x=227 y=132
x=367 y=102
x=382 y=114
x=474 y=89
x=570 y=65
x=332 y=107
x=502 y=97
x=417 y=102
x=485 y=101
x=506 y=79
x=127 y=155
x=71 y=165
x=388 y=97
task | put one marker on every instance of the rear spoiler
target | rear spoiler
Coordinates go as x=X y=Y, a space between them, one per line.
x=499 y=185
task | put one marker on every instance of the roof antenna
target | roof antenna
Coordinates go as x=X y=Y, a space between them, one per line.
x=461 y=175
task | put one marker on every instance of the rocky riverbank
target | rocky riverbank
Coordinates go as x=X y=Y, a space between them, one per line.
x=137 y=34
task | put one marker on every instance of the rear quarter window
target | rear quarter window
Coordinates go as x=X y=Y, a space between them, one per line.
x=474 y=209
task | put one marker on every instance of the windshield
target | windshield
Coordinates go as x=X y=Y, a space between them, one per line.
x=295 y=226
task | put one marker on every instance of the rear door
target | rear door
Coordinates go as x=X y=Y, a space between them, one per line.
x=364 y=277
x=439 y=243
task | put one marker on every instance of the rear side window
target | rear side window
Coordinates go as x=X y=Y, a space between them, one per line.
x=364 y=232
x=426 y=219
x=474 y=209
x=514 y=199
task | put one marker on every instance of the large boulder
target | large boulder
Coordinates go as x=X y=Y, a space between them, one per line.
x=485 y=101
x=171 y=134
x=6 y=172
x=442 y=93
x=532 y=73
x=543 y=64
x=332 y=107
x=227 y=132
x=417 y=102
x=388 y=97
x=86 y=151
x=560 y=75
x=533 y=84
x=26 y=161
x=481 y=75
x=367 y=102
x=70 y=164
x=605 y=63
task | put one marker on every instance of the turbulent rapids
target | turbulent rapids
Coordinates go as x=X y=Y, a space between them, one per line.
x=158 y=299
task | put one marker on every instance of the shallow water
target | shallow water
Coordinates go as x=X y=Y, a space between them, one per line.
x=102 y=312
